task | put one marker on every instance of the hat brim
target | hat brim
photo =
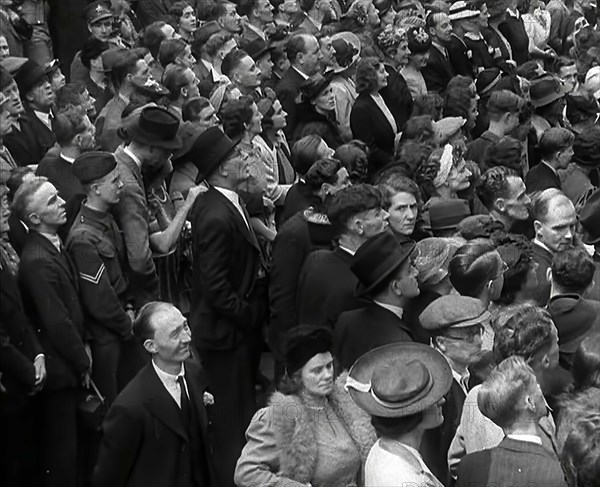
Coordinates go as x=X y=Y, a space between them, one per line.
x=548 y=99
x=204 y=172
x=362 y=290
x=436 y=364
x=478 y=320
x=588 y=239
x=102 y=17
x=142 y=137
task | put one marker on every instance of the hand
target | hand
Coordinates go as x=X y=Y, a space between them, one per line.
x=87 y=378
x=193 y=193
x=40 y=371
x=88 y=351
x=268 y=204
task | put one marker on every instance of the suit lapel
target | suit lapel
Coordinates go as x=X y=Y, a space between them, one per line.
x=197 y=396
x=245 y=229
x=160 y=403
x=383 y=121
x=61 y=258
x=386 y=316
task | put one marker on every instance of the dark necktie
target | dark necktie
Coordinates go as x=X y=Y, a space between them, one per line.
x=186 y=406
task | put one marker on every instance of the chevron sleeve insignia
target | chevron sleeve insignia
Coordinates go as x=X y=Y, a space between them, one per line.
x=93 y=279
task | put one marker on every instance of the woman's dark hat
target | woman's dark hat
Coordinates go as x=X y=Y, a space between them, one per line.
x=313 y=86
x=377 y=259
x=586 y=148
x=303 y=343
x=209 y=150
x=419 y=41
x=447 y=214
x=589 y=218
x=156 y=127
x=400 y=379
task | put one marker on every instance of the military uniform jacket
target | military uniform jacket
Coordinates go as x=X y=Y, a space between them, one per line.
x=96 y=247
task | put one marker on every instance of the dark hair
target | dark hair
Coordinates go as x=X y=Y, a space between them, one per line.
x=68 y=123
x=305 y=153
x=524 y=330
x=429 y=104
x=235 y=114
x=506 y=152
x=580 y=457
x=153 y=36
x=412 y=154
x=176 y=10
x=366 y=74
x=232 y=60
x=169 y=50
x=126 y=64
x=458 y=97
x=353 y=156
x=528 y=70
x=92 y=48
x=15 y=179
x=555 y=140
x=427 y=171
x=394 y=427
x=573 y=270
x=517 y=252
x=350 y=201
x=494 y=184
x=143 y=328
x=174 y=79
x=419 y=128
x=306 y=5
x=586 y=363
x=216 y=42
x=291 y=385
x=191 y=108
x=245 y=7
x=321 y=172
x=473 y=266
x=70 y=94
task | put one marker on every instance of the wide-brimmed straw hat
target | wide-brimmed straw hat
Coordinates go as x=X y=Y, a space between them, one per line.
x=400 y=379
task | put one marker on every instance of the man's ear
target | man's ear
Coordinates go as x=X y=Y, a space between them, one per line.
x=150 y=346
x=184 y=92
x=537 y=226
x=500 y=205
x=223 y=170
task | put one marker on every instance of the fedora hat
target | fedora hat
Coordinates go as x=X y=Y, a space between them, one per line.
x=447 y=214
x=546 y=90
x=400 y=379
x=209 y=150
x=589 y=218
x=377 y=259
x=156 y=127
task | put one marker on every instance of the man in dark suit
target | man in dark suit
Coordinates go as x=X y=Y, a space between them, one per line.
x=48 y=282
x=438 y=72
x=554 y=223
x=75 y=134
x=30 y=141
x=229 y=294
x=387 y=277
x=556 y=151
x=511 y=397
x=456 y=324
x=326 y=285
x=304 y=54
x=464 y=18
x=155 y=433
x=22 y=365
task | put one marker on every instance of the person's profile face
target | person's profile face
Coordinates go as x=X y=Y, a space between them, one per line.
x=248 y=74
x=4 y=49
x=172 y=337
x=47 y=207
x=279 y=116
x=311 y=56
x=516 y=203
x=187 y=21
x=231 y=21
x=208 y=118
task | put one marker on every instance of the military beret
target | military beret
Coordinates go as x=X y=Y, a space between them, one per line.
x=453 y=312
x=91 y=166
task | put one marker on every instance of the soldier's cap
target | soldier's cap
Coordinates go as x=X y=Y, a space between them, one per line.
x=453 y=311
x=97 y=11
x=92 y=166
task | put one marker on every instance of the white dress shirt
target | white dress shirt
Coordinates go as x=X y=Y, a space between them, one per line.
x=235 y=200
x=397 y=310
x=170 y=382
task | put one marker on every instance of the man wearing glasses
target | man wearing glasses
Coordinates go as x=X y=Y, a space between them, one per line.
x=456 y=325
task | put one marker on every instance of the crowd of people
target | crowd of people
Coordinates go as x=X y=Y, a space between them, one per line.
x=327 y=243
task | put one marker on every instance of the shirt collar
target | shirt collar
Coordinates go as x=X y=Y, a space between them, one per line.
x=165 y=376
x=54 y=239
x=133 y=156
x=44 y=117
x=542 y=244
x=548 y=165
x=258 y=31
x=70 y=160
x=528 y=438
x=352 y=252
x=125 y=98
x=300 y=72
x=397 y=310
x=229 y=194
x=474 y=36
x=513 y=13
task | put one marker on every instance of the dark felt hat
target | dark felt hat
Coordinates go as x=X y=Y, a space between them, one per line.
x=51 y=66
x=377 y=259
x=209 y=150
x=29 y=76
x=313 y=86
x=586 y=147
x=487 y=79
x=255 y=48
x=91 y=166
x=447 y=214
x=5 y=78
x=303 y=343
x=400 y=379
x=156 y=127
x=97 y=11
x=590 y=219
x=546 y=90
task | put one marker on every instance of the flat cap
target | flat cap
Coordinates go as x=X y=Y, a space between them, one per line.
x=453 y=311
x=91 y=166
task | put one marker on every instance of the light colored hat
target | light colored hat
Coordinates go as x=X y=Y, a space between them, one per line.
x=434 y=256
x=453 y=311
x=462 y=10
x=592 y=82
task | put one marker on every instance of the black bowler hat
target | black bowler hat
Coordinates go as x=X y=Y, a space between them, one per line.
x=91 y=166
x=377 y=259
x=156 y=127
x=590 y=219
x=209 y=150
x=29 y=76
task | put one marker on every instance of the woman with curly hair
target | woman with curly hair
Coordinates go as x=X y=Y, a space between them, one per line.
x=461 y=101
x=311 y=433
x=393 y=43
x=371 y=119
x=418 y=44
x=184 y=19
x=316 y=115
